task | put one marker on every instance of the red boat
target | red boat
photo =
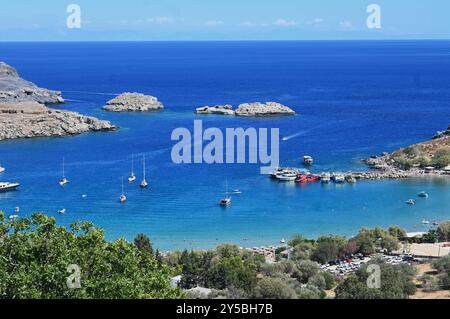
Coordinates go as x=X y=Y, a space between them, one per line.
x=307 y=178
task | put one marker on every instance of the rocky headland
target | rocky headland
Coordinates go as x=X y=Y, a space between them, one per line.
x=256 y=109
x=32 y=119
x=422 y=159
x=24 y=114
x=133 y=102
x=15 y=89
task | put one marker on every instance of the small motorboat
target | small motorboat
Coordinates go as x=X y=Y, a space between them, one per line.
x=423 y=195
x=2 y=169
x=237 y=192
x=411 y=202
x=7 y=187
x=435 y=223
x=283 y=241
x=83 y=196
x=425 y=222
x=308 y=160
x=62 y=211
x=17 y=210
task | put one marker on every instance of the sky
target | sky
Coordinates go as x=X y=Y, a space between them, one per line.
x=198 y=20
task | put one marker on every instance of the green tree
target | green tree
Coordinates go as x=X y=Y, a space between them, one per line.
x=143 y=243
x=396 y=283
x=441 y=158
x=390 y=243
x=397 y=232
x=329 y=248
x=274 y=288
x=443 y=231
x=306 y=269
x=35 y=254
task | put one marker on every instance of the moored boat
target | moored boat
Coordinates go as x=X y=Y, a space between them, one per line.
x=289 y=176
x=423 y=195
x=132 y=177
x=325 y=178
x=2 y=169
x=226 y=201
x=63 y=181
x=144 y=183
x=122 y=197
x=339 y=178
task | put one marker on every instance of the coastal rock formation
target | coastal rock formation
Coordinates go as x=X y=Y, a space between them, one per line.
x=263 y=109
x=31 y=119
x=15 y=89
x=218 y=109
x=133 y=102
x=441 y=134
x=422 y=159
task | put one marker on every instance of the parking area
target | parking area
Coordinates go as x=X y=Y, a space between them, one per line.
x=346 y=266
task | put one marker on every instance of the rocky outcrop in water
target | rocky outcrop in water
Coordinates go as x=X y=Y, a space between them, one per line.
x=263 y=109
x=31 y=119
x=218 y=109
x=15 y=89
x=248 y=109
x=133 y=102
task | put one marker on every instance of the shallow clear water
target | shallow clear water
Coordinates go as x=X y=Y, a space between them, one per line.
x=354 y=99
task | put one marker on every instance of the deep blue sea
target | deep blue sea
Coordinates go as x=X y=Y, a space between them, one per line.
x=354 y=99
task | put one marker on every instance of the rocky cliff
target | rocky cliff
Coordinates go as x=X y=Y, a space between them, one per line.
x=15 y=89
x=23 y=113
x=31 y=119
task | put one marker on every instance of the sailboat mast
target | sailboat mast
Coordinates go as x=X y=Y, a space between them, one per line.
x=63 y=168
x=122 y=185
x=132 y=164
x=144 y=166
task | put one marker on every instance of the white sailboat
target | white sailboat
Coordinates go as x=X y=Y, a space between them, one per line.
x=122 y=197
x=144 y=183
x=132 y=177
x=224 y=202
x=63 y=181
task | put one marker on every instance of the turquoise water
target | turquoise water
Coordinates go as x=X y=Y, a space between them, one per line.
x=354 y=99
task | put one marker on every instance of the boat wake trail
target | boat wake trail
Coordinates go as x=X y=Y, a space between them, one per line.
x=287 y=138
x=94 y=93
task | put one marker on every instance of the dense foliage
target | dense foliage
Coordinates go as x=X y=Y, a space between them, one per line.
x=396 y=283
x=35 y=255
